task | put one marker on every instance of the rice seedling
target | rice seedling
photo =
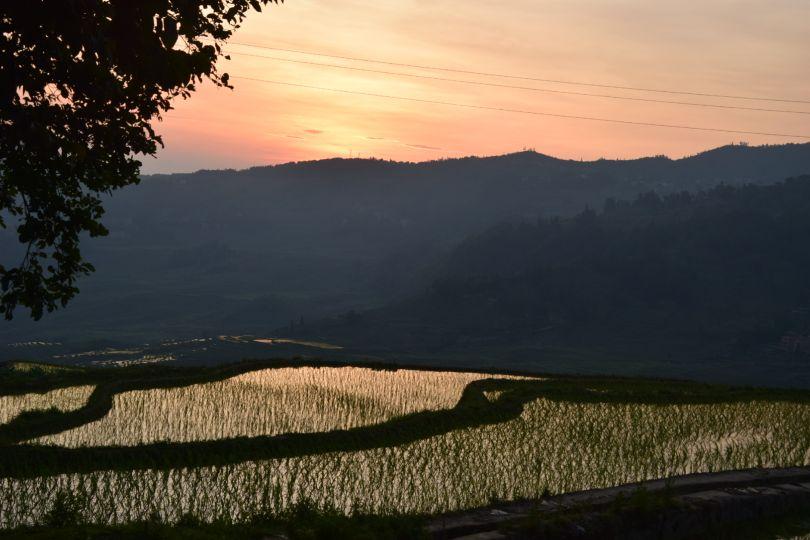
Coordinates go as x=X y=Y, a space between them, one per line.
x=268 y=402
x=553 y=446
x=63 y=399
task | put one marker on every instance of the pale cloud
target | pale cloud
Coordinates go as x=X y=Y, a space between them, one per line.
x=422 y=147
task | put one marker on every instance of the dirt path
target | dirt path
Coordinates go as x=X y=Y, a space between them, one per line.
x=690 y=506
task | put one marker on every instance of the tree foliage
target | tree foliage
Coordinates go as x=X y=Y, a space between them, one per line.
x=729 y=260
x=80 y=82
x=717 y=270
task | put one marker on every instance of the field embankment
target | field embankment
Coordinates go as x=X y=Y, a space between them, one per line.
x=690 y=506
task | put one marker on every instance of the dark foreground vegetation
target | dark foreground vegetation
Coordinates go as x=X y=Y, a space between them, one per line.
x=794 y=525
x=303 y=522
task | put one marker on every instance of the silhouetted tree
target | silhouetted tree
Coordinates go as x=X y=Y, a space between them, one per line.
x=80 y=81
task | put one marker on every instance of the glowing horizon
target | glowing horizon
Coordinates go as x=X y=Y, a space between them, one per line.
x=723 y=48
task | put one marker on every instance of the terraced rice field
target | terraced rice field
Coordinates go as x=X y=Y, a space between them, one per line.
x=63 y=399
x=268 y=402
x=556 y=443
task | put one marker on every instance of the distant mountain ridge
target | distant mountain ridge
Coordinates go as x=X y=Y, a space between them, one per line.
x=217 y=251
x=450 y=198
x=745 y=157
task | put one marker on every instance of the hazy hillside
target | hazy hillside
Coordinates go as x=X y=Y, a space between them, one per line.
x=691 y=278
x=247 y=251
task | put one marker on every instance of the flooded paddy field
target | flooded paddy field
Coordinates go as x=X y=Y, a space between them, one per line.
x=259 y=438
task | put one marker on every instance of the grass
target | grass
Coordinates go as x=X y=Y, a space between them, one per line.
x=60 y=399
x=39 y=368
x=304 y=521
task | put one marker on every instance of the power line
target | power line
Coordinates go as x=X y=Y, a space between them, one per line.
x=521 y=111
x=530 y=88
x=519 y=77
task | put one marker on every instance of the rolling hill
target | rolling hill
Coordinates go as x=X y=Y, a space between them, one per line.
x=247 y=251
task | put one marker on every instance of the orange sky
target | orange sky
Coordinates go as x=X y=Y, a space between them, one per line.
x=740 y=47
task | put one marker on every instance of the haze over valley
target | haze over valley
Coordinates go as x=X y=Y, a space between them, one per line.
x=297 y=250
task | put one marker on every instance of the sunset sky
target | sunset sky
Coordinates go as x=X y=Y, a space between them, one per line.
x=747 y=48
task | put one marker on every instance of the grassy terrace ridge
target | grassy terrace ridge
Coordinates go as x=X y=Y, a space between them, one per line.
x=303 y=522
x=472 y=410
x=23 y=377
